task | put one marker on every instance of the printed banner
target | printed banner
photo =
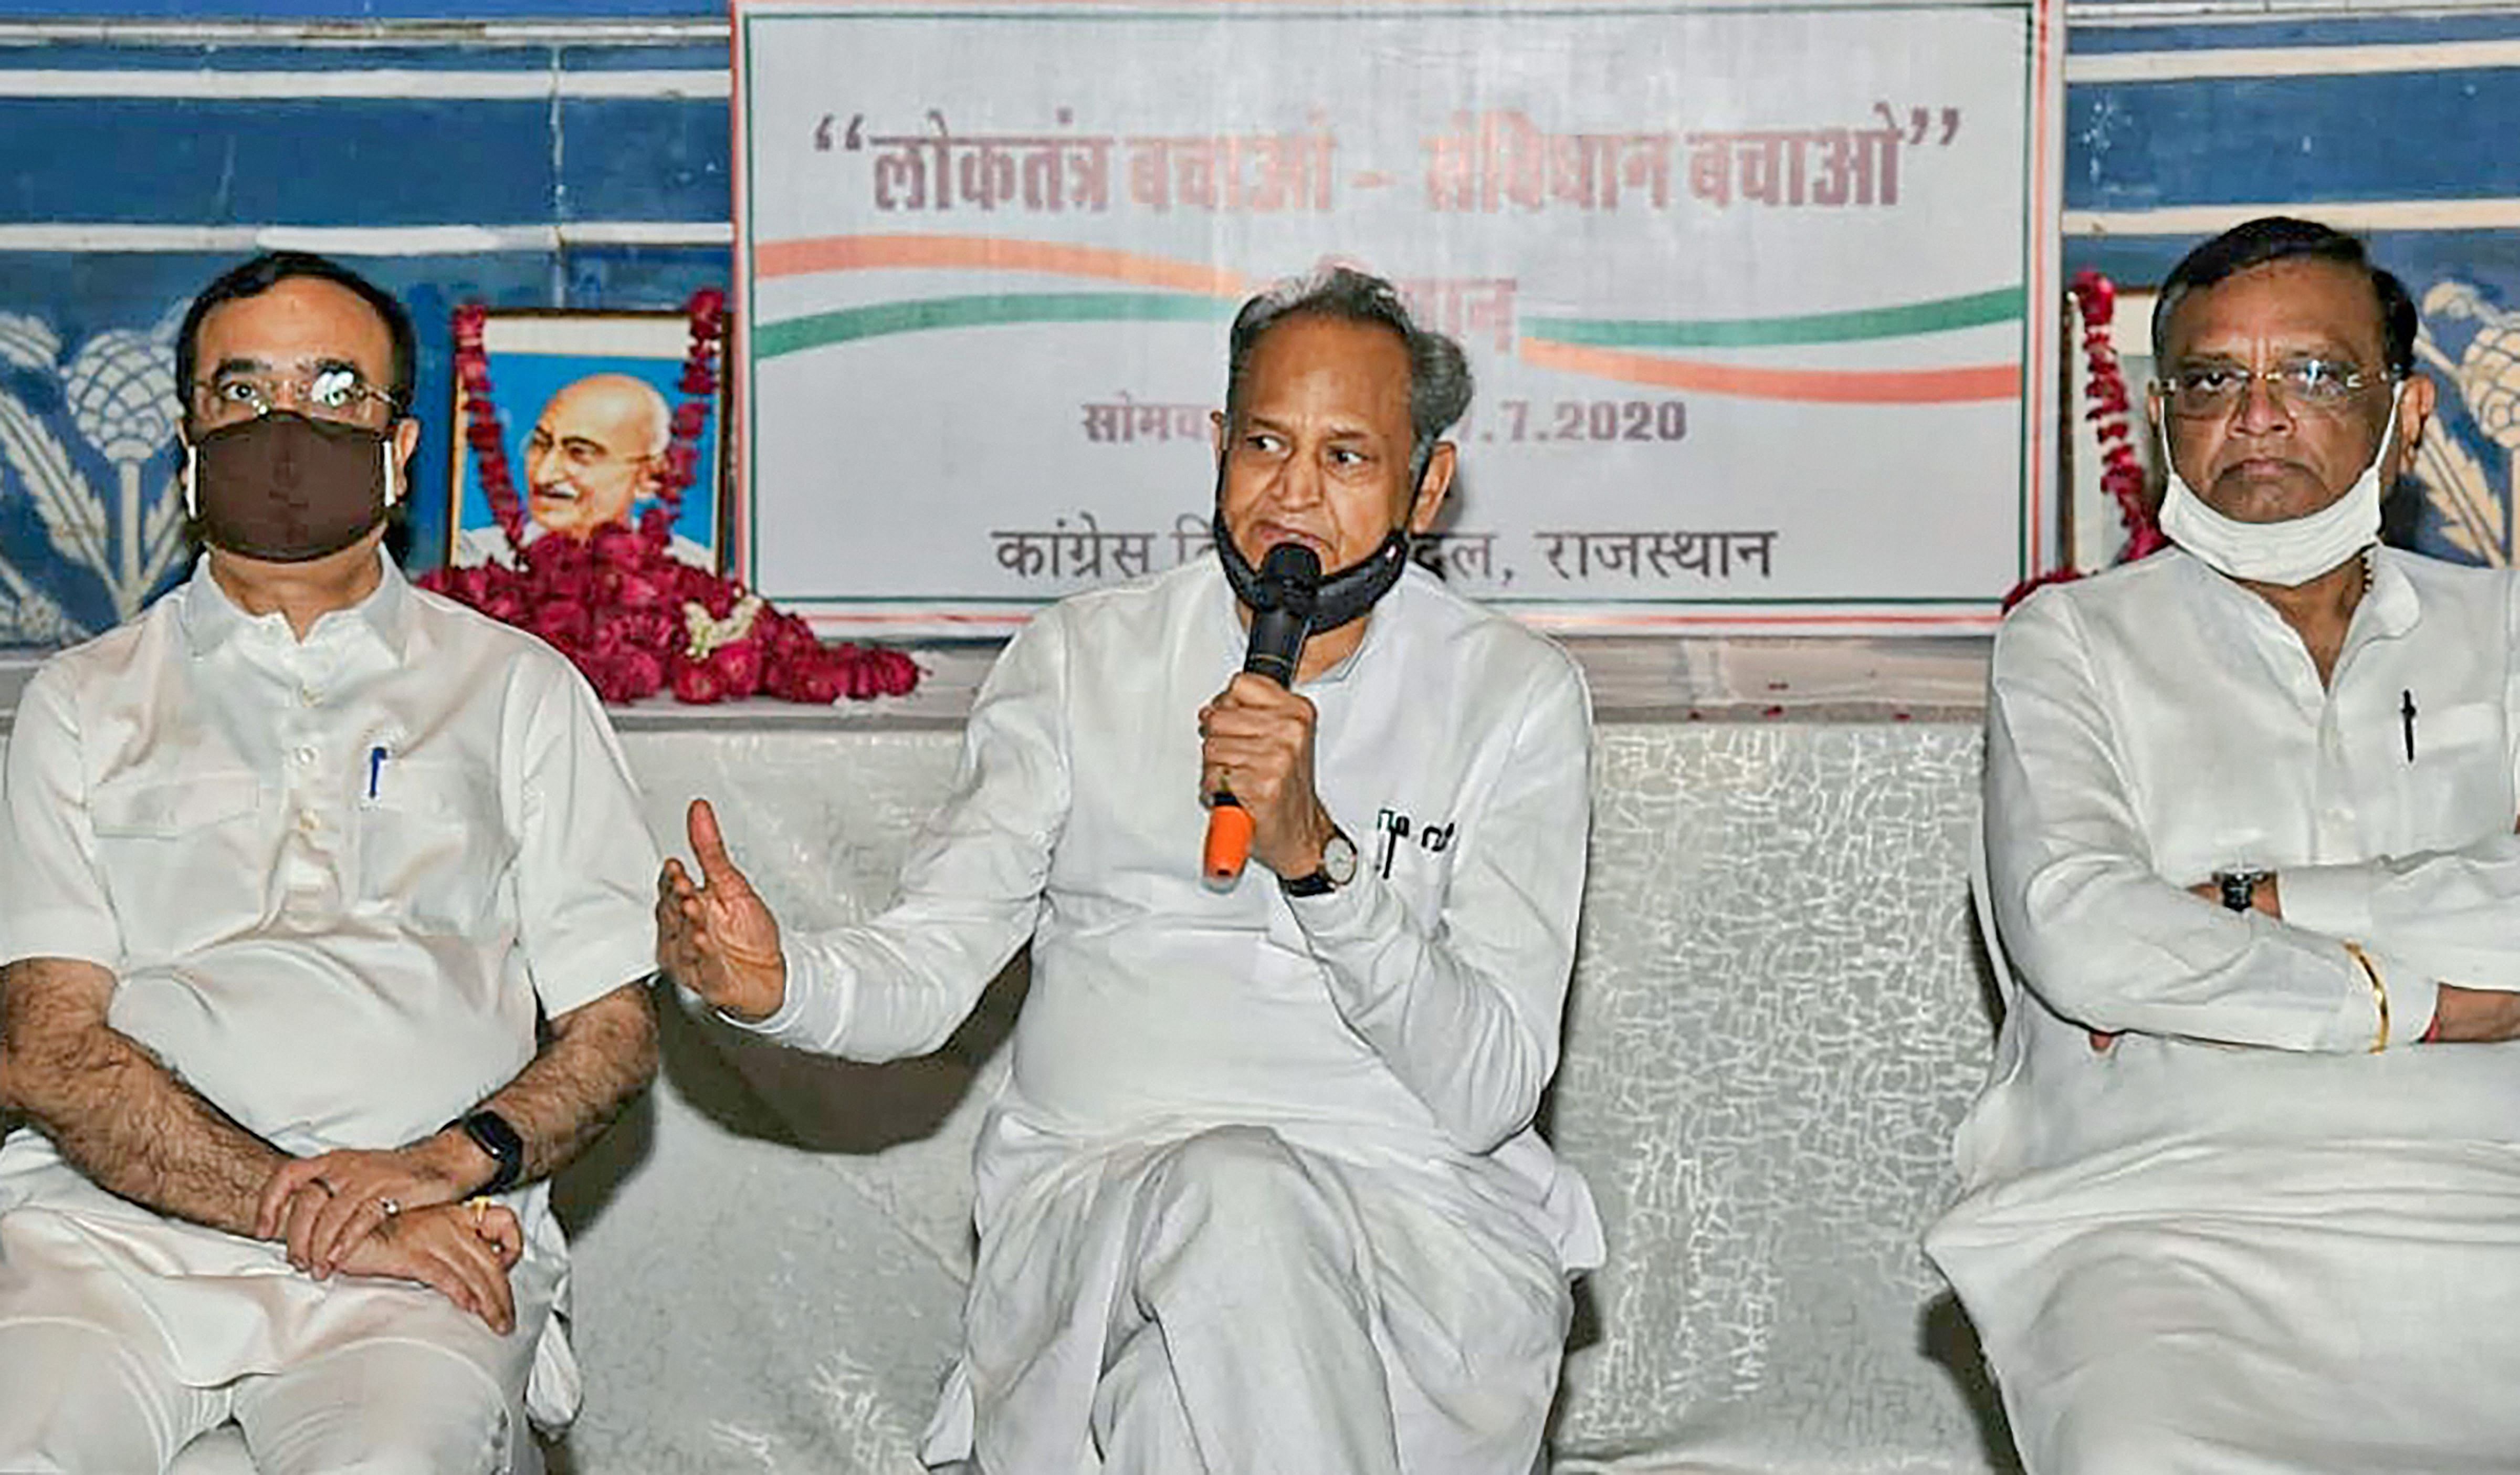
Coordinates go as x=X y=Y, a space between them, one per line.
x=1745 y=293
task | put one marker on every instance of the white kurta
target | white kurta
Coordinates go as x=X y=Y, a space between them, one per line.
x=1401 y=1029
x=2240 y=1239
x=333 y=880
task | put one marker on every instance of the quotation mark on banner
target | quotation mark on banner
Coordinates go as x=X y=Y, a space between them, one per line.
x=1920 y=121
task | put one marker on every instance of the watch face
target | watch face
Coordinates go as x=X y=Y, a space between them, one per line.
x=1338 y=858
x=497 y=1138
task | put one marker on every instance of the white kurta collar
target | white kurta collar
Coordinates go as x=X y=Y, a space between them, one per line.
x=211 y=620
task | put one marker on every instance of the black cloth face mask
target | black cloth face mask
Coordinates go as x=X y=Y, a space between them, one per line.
x=1345 y=594
x=287 y=488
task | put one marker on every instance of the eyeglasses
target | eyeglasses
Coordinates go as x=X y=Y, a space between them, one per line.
x=579 y=453
x=336 y=394
x=2304 y=385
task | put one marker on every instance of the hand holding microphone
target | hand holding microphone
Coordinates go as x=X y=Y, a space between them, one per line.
x=1245 y=729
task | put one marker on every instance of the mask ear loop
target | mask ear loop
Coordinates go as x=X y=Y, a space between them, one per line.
x=192 y=480
x=393 y=472
x=2389 y=431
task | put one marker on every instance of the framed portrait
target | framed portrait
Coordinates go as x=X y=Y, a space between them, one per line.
x=586 y=407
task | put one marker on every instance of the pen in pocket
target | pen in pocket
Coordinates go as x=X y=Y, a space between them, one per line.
x=1394 y=826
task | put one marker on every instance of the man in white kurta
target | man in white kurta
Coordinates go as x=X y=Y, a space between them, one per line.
x=2244 y=1191
x=1262 y=1192
x=321 y=865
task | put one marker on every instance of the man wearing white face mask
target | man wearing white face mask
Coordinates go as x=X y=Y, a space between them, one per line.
x=2244 y=1190
x=322 y=941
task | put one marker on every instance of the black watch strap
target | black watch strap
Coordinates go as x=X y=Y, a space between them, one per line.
x=492 y=1133
x=1318 y=884
x=1337 y=868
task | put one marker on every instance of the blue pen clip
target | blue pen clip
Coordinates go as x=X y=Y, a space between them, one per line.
x=375 y=767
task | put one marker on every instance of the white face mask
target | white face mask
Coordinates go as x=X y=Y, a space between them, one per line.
x=2286 y=553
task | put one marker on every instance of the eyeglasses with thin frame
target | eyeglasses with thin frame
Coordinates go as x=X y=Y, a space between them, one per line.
x=2304 y=385
x=329 y=393
x=580 y=453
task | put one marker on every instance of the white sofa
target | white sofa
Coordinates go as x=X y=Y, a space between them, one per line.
x=1777 y=1017
x=1777 y=1020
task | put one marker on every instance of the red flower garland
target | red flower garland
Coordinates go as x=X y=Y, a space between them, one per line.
x=2122 y=477
x=628 y=614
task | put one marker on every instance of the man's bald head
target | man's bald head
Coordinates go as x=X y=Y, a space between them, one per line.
x=596 y=449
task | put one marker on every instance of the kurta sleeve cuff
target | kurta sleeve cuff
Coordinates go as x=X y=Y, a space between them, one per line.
x=2412 y=1001
x=812 y=1009
x=586 y=974
x=2332 y=900
x=80 y=936
x=2411 y=998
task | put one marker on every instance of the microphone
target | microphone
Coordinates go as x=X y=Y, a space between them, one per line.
x=1281 y=617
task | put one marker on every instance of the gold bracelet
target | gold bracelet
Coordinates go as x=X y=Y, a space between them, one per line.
x=2379 y=993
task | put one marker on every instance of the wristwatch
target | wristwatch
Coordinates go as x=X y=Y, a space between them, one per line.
x=1338 y=869
x=491 y=1133
x=2239 y=887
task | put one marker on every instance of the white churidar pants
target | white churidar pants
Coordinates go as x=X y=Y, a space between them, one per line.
x=2274 y=1311
x=90 y=1383
x=1231 y=1304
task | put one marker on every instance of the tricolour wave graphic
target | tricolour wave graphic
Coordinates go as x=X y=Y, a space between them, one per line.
x=1622 y=350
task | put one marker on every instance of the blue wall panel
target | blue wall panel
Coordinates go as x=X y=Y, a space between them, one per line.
x=292 y=163
x=641 y=160
x=249 y=53
x=2398 y=136
x=2329 y=28
x=665 y=56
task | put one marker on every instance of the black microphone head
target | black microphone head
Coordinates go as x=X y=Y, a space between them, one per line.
x=1290 y=574
x=1281 y=610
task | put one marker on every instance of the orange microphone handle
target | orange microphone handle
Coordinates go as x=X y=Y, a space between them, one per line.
x=1228 y=839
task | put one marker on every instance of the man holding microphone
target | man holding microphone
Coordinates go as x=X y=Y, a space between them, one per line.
x=1262 y=1192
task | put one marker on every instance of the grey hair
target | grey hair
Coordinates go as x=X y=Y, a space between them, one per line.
x=1439 y=375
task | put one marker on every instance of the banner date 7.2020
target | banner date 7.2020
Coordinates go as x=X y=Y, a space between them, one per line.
x=1510 y=421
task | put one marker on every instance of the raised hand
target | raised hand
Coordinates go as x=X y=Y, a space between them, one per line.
x=715 y=936
x=461 y=1250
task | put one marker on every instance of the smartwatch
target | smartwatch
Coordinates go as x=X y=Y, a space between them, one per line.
x=492 y=1133
x=1338 y=869
x=2239 y=887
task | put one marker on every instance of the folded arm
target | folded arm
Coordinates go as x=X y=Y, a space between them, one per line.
x=2100 y=934
x=2446 y=914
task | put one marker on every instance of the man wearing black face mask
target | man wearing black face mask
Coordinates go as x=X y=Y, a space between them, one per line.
x=1262 y=1190
x=288 y=867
